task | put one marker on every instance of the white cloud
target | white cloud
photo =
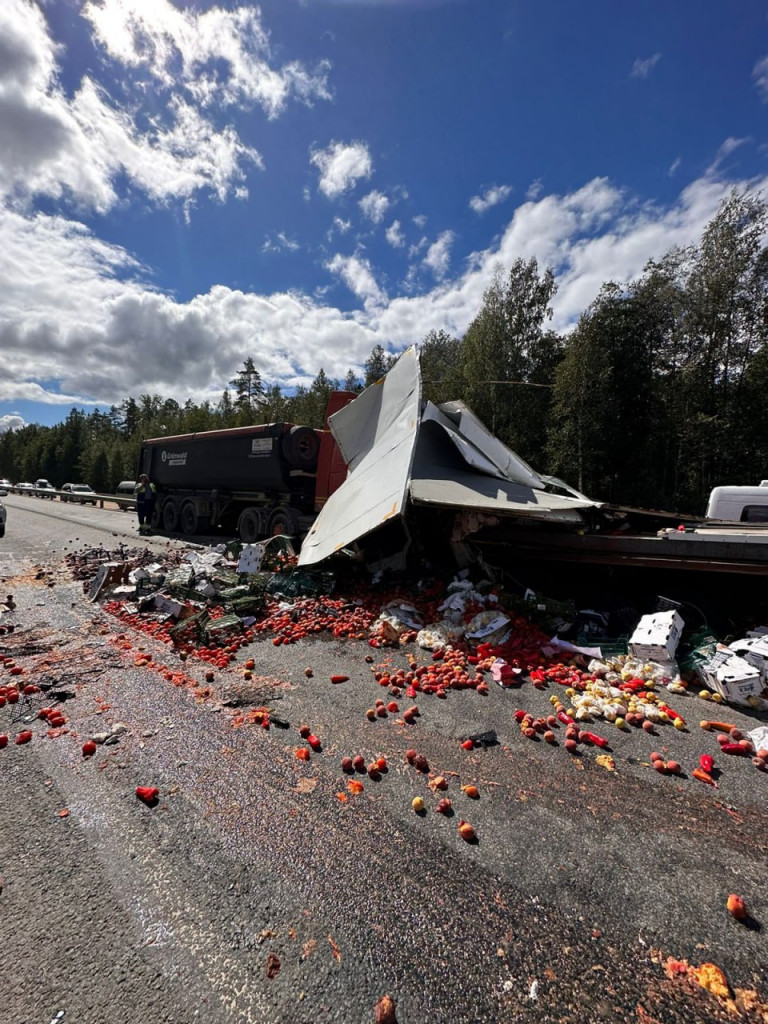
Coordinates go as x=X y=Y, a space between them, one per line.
x=416 y=247
x=535 y=189
x=760 y=77
x=221 y=57
x=81 y=325
x=280 y=243
x=394 y=235
x=11 y=422
x=729 y=146
x=341 y=166
x=491 y=197
x=674 y=167
x=79 y=145
x=375 y=206
x=420 y=220
x=643 y=68
x=359 y=278
x=438 y=256
x=342 y=226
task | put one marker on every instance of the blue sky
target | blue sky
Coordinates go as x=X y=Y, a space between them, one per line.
x=183 y=185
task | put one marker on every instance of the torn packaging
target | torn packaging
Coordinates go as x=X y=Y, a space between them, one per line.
x=438 y=457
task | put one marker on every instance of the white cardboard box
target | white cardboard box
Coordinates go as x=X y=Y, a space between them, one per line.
x=657 y=636
x=755 y=651
x=731 y=676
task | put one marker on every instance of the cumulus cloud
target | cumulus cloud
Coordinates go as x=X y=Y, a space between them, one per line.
x=642 y=68
x=394 y=235
x=358 y=276
x=438 y=256
x=12 y=421
x=192 y=65
x=490 y=197
x=80 y=322
x=219 y=56
x=535 y=189
x=760 y=77
x=341 y=166
x=375 y=206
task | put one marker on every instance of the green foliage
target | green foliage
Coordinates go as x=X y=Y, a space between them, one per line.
x=507 y=359
x=441 y=371
x=249 y=393
x=377 y=365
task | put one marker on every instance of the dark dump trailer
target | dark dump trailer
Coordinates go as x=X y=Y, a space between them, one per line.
x=255 y=481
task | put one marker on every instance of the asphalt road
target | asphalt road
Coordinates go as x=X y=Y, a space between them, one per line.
x=252 y=893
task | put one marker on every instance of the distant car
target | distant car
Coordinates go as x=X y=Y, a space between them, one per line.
x=5 y=486
x=2 y=519
x=82 y=493
x=24 y=488
x=44 y=489
x=127 y=489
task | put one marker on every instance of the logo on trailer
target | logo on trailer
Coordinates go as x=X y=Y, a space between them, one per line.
x=173 y=458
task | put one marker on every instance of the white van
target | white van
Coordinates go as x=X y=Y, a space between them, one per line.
x=739 y=504
x=127 y=489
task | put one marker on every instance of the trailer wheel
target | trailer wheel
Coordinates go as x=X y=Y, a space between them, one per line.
x=281 y=522
x=170 y=516
x=301 y=446
x=250 y=526
x=189 y=520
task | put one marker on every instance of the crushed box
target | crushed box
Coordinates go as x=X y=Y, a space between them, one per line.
x=731 y=676
x=755 y=651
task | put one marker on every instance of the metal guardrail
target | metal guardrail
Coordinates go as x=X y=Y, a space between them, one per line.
x=67 y=498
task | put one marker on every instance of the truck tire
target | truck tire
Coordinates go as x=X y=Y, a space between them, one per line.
x=281 y=522
x=170 y=516
x=300 y=447
x=189 y=520
x=250 y=526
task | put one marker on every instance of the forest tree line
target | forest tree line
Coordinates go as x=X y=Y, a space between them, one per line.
x=656 y=395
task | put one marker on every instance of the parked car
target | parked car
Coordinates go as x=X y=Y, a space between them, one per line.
x=82 y=493
x=127 y=489
x=24 y=488
x=5 y=486
x=2 y=519
x=44 y=489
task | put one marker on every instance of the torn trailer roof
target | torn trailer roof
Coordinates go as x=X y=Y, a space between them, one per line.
x=400 y=450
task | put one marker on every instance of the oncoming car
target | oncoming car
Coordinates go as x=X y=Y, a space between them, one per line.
x=44 y=488
x=82 y=493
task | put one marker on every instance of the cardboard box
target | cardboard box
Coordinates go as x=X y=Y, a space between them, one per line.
x=754 y=650
x=731 y=676
x=657 y=636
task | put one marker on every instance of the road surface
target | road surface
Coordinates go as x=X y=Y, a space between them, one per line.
x=251 y=893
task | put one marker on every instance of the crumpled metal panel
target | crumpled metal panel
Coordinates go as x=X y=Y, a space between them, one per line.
x=376 y=434
x=479 y=446
x=440 y=456
x=441 y=476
